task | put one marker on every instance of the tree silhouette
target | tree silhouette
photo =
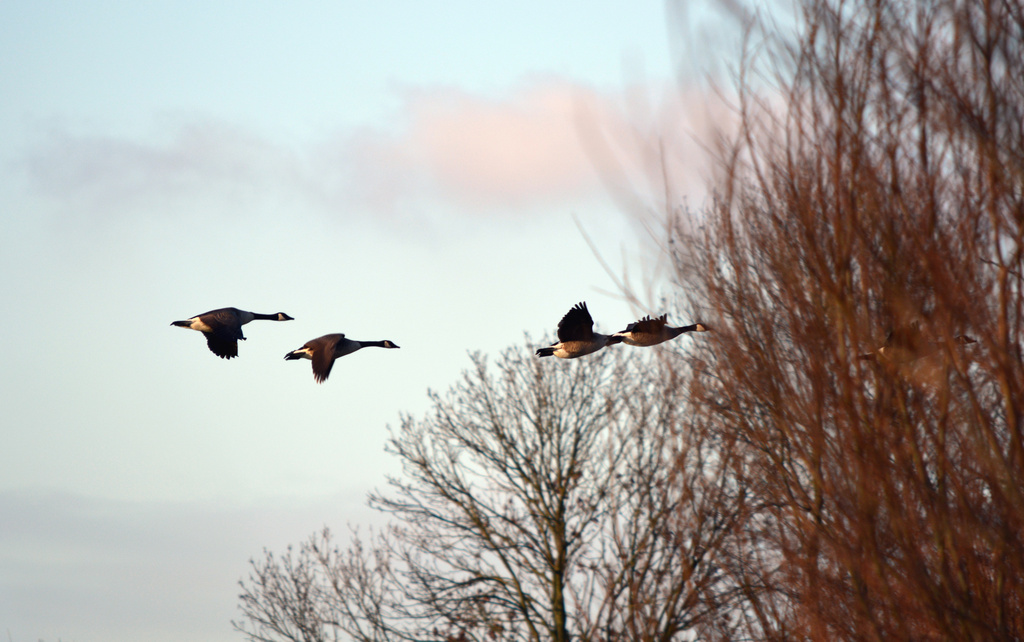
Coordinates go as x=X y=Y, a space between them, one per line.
x=538 y=501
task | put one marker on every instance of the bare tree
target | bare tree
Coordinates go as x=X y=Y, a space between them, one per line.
x=883 y=200
x=538 y=501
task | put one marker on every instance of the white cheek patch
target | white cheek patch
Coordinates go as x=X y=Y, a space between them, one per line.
x=197 y=324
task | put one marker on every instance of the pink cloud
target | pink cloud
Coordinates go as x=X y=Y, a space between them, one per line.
x=524 y=148
x=547 y=142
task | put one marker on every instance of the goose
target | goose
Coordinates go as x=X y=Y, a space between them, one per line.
x=322 y=351
x=576 y=336
x=906 y=343
x=223 y=328
x=651 y=332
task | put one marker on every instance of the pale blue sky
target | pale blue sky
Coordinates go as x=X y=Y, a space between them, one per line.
x=392 y=170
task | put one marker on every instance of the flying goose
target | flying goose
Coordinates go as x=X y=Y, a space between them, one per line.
x=907 y=343
x=223 y=328
x=576 y=336
x=651 y=332
x=322 y=351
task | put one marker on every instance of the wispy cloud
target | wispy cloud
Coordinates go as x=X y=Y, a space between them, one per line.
x=546 y=142
x=190 y=163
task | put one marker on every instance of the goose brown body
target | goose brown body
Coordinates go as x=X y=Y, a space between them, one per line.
x=907 y=343
x=576 y=336
x=223 y=328
x=322 y=351
x=650 y=332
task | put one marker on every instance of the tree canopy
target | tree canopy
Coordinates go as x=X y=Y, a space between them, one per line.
x=881 y=207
